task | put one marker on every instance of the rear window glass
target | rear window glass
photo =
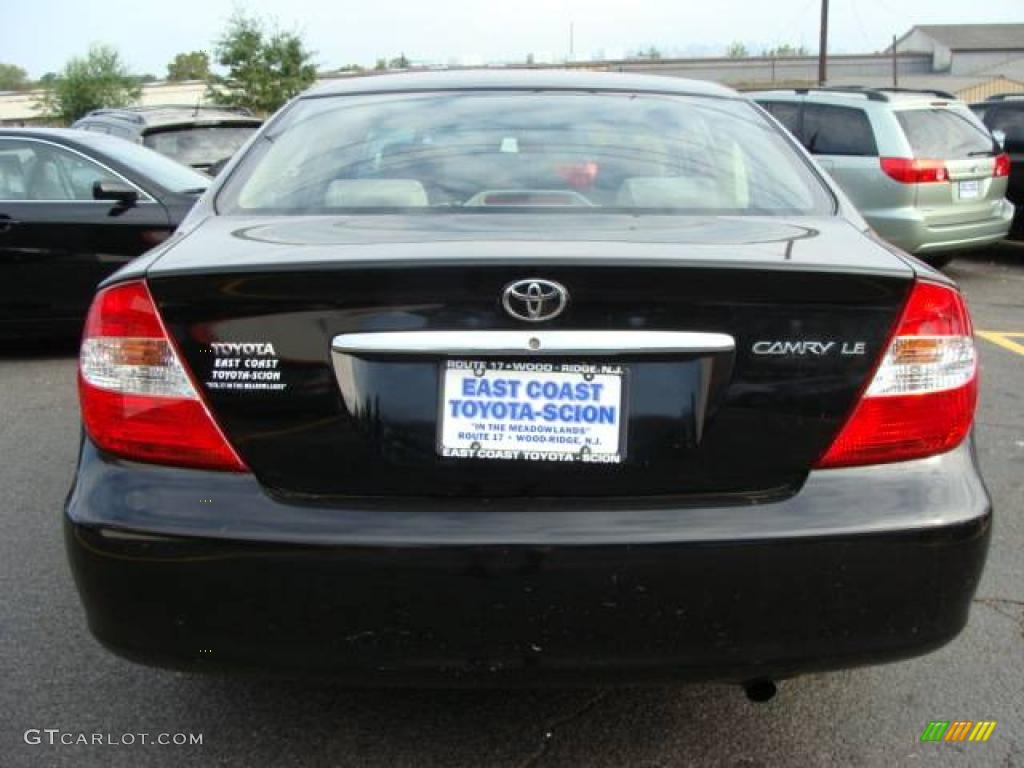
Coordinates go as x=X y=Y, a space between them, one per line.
x=470 y=151
x=787 y=113
x=168 y=174
x=199 y=146
x=831 y=130
x=945 y=133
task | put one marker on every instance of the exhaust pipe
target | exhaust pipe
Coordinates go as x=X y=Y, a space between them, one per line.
x=760 y=691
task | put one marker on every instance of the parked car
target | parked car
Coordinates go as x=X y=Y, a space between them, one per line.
x=74 y=207
x=526 y=376
x=1003 y=114
x=919 y=166
x=202 y=137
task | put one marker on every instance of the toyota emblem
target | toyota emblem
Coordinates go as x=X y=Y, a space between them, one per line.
x=535 y=300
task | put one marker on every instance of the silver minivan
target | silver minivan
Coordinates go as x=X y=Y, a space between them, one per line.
x=921 y=167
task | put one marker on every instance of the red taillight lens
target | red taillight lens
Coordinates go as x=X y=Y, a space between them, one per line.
x=1002 y=167
x=908 y=170
x=922 y=397
x=137 y=399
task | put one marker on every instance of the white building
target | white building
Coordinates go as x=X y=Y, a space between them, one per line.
x=966 y=49
x=17 y=107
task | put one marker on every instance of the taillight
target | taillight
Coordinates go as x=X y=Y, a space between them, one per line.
x=909 y=170
x=1002 y=167
x=137 y=399
x=922 y=397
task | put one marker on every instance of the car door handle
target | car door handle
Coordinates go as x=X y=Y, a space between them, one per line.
x=6 y=223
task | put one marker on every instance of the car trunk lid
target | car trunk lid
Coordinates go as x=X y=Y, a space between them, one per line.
x=329 y=350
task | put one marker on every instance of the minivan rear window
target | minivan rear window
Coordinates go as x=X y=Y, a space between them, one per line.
x=199 y=145
x=945 y=133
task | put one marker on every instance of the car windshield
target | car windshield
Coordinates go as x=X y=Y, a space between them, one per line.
x=945 y=133
x=512 y=151
x=199 y=145
x=172 y=176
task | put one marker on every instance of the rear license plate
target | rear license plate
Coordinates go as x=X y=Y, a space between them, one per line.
x=969 y=190
x=532 y=411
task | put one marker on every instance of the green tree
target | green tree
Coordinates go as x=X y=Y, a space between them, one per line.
x=98 y=79
x=781 y=51
x=265 y=67
x=381 y=65
x=737 y=50
x=399 y=62
x=194 y=65
x=12 y=77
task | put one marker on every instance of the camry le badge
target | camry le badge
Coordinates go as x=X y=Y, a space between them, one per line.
x=535 y=300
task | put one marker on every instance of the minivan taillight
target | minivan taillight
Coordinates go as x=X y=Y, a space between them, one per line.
x=1002 y=167
x=910 y=170
x=921 y=399
x=138 y=401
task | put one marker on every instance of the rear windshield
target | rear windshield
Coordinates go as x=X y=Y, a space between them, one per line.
x=470 y=151
x=945 y=133
x=168 y=174
x=202 y=146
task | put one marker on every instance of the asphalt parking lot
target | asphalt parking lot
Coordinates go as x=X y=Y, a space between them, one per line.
x=54 y=676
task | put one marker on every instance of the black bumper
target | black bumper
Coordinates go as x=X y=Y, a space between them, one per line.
x=861 y=566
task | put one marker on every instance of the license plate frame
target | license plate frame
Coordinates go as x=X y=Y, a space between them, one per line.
x=566 y=444
x=968 y=190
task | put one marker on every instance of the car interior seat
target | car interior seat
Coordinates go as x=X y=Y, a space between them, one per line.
x=12 y=178
x=380 y=193
x=671 y=192
x=44 y=181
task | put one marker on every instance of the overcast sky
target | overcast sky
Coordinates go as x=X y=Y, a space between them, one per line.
x=40 y=35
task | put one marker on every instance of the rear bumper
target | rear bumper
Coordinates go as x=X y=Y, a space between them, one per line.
x=861 y=566
x=912 y=232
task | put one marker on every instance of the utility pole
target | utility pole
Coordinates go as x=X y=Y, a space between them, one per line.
x=895 y=65
x=572 y=42
x=823 y=45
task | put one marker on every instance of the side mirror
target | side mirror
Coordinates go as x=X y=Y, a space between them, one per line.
x=1000 y=137
x=217 y=167
x=115 y=191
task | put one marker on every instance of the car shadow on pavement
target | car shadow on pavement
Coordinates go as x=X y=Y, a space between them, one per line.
x=681 y=724
x=1008 y=252
x=13 y=349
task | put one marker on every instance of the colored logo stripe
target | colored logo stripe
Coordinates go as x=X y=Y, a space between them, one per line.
x=983 y=730
x=958 y=730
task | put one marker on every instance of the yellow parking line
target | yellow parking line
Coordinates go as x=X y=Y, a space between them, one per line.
x=1003 y=339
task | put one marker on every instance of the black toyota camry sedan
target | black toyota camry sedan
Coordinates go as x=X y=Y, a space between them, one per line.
x=74 y=207
x=526 y=377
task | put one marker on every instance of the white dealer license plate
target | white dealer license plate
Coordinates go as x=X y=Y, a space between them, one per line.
x=969 y=190
x=532 y=411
